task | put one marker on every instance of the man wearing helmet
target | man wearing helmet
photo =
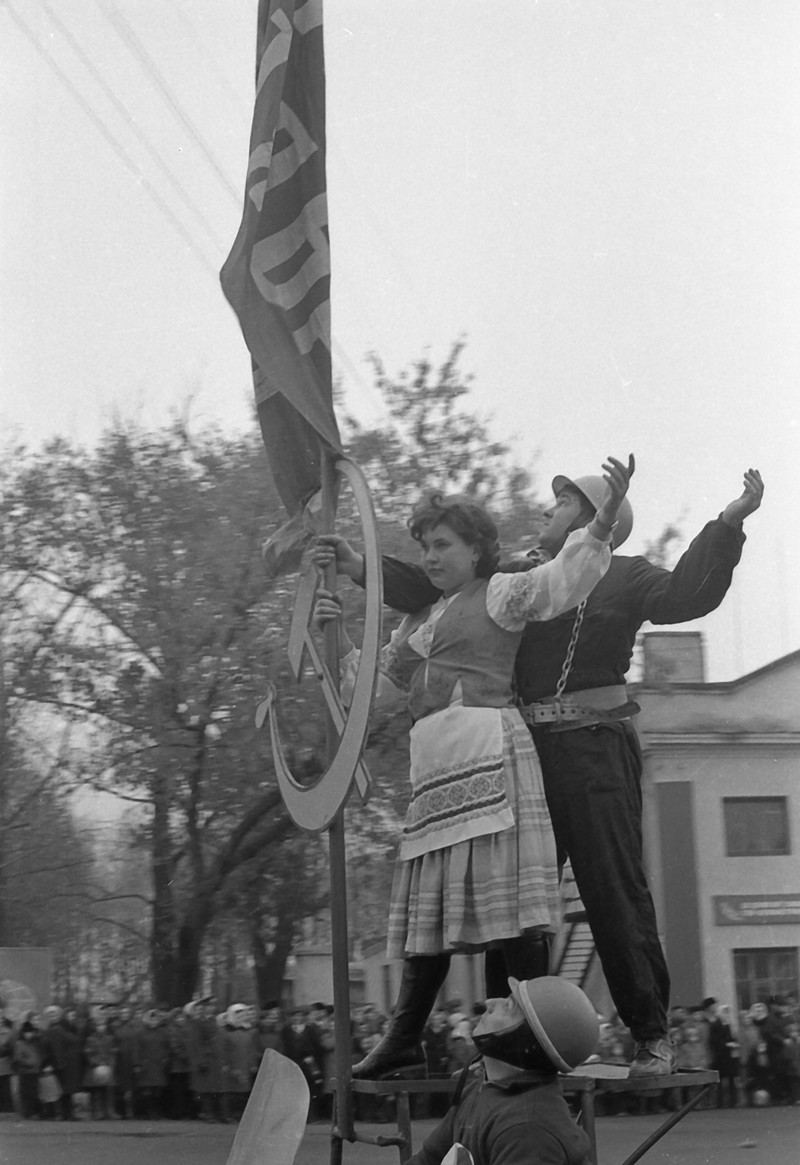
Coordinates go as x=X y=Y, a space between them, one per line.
x=511 y=1110
x=587 y=745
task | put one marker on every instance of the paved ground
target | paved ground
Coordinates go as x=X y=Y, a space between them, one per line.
x=740 y=1137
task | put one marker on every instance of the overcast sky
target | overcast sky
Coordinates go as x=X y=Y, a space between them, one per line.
x=601 y=195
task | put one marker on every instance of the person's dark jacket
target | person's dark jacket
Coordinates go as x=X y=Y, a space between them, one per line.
x=524 y=1122
x=63 y=1048
x=305 y=1048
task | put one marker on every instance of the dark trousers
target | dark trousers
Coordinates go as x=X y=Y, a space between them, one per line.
x=29 y=1093
x=592 y=781
x=180 y=1102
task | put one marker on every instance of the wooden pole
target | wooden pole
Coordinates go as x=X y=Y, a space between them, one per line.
x=337 y=855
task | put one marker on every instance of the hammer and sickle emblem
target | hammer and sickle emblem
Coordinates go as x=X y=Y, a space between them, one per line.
x=314 y=807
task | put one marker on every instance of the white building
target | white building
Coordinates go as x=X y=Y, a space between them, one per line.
x=722 y=821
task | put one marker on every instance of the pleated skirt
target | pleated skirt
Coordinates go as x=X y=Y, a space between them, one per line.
x=473 y=894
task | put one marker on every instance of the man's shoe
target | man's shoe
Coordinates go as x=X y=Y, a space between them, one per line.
x=652 y=1058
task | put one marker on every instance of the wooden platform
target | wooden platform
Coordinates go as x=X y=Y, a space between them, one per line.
x=585 y=1084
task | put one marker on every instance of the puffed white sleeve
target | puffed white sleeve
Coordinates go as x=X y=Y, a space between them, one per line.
x=513 y=600
x=393 y=680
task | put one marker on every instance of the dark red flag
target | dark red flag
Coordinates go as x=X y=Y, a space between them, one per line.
x=277 y=276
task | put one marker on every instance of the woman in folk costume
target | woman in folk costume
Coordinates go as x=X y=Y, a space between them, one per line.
x=477 y=862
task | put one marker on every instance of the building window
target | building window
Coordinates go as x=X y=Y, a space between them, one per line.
x=756 y=826
x=760 y=973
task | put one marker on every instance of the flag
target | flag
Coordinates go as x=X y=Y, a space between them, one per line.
x=277 y=276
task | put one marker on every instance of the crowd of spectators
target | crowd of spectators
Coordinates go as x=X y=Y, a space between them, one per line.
x=756 y=1054
x=196 y=1063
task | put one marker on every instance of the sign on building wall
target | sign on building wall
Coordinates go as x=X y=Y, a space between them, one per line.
x=756 y=909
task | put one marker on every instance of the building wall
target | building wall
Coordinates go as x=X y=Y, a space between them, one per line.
x=703 y=743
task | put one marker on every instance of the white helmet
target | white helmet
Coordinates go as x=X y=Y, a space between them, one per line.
x=560 y=1016
x=594 y=489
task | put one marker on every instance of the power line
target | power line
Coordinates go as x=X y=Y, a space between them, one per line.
x=130 y=38
x=132 y=41
x=210 y=61
x=118 y=149
x=131 y=121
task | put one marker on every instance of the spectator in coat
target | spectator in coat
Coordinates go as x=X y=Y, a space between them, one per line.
x=269 y=1030
x=321 y=1016
x=303 y=1045
x=63 y=1047
x=792 y=1048
x=151 y=1060
x=238 y=1056
x=436 y=1041
x=774 y=1032
x=125 y=1028
x=100 y=1055
x=180 y=1105
x=204 y=1058
x=758 y=1075
x=7 y=1037
x=27 y=1061
x=721 y=1045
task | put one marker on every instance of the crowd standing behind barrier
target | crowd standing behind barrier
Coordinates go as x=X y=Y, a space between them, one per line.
x=195 y=1063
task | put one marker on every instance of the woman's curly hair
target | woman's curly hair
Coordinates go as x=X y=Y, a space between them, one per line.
x=466 y=518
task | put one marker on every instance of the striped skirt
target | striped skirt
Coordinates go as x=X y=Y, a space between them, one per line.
x=470 y=895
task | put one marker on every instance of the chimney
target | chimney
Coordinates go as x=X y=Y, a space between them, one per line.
x=673 y=657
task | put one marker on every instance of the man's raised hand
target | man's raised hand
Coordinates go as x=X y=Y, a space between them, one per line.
x=748 y=501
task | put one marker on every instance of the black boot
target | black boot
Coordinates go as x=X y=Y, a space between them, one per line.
x=524 y=957
x=400 y=1051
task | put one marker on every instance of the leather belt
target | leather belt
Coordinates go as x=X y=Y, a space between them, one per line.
x=580 y=709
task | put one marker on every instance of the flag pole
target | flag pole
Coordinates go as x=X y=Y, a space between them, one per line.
x=340 y=945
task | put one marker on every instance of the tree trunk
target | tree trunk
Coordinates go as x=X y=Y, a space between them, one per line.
x=270 y=965
x=162 y=938
x=191 y=933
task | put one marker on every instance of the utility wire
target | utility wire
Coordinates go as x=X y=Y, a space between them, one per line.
x=131 y=121
x=126 y=33
x=211 y=62
x=132 y=41
x=118 y=149
x=134 y=44
x=137 y=48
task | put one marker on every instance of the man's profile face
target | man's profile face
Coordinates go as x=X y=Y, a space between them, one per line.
x=559 y=518
x=500 y=1015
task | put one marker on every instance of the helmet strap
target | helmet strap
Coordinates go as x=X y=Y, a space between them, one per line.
x=517 y=1046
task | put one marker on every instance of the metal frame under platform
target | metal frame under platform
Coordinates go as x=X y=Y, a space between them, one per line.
x=587 y=1083
x=592 y=1080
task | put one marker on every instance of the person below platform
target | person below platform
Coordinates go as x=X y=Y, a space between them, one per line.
x=508 y=1108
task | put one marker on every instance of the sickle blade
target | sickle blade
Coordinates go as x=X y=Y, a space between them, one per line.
x=314 y=807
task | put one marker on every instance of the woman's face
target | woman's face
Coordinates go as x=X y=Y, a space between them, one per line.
x=447 y=559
